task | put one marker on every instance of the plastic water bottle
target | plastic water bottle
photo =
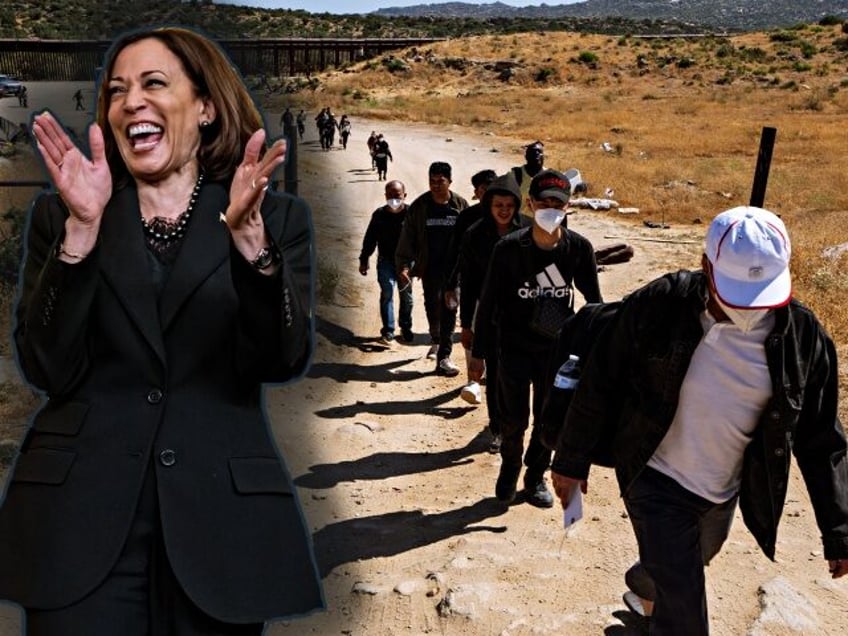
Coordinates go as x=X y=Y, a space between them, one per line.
x=568 y=374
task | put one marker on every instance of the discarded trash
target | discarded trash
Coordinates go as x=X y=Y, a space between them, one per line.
x=576 y=181
x=655 y=225
x=594 y=204
x=628 y=210
x=607 y=147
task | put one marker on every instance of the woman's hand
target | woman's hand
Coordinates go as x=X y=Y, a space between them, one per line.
x=84 y=184
x=247 y=191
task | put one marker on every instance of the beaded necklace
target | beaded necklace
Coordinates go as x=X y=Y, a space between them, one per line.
x=161 y=230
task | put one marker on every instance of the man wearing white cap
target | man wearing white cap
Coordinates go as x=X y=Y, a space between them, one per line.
x=703 y=385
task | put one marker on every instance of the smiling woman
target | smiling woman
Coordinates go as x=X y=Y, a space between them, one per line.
x=162 y=284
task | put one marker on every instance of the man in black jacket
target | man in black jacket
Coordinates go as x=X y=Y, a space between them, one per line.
x=703 y=385
x=422 y=251
x=527 y=292
x=383 y=233
x=500 y=204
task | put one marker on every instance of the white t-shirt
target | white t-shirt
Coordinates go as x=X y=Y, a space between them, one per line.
x=726 y=388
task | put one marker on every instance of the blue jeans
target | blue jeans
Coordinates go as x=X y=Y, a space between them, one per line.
x=387 y=278
x=678 y=533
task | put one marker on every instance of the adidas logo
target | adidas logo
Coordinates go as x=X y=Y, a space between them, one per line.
x=550 y=284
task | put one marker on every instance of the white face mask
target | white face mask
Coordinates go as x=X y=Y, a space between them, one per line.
x=549 y=219
x=745 y=319
x=394 y=204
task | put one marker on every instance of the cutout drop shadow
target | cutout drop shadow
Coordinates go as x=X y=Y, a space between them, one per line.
x=393 y=464
x=395 y=532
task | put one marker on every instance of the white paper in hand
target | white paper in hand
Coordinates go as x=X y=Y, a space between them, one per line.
x=574 y=510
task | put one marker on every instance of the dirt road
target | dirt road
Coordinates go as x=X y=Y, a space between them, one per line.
x=398 y=487
x=397 y=484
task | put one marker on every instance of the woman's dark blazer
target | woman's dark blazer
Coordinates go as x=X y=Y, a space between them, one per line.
x=134 y=382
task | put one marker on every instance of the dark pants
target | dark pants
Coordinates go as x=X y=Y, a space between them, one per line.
x=492 y=391
x=517 y=371
x=440 y=320
x=140 y=596
x=678 y=533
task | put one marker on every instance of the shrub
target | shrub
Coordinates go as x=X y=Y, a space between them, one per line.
x=831 y=20
x=11 y=247
x=544 y=74
x=588 y=58
x=685 y=62
x=808 y=49
x=841 y=44
x=725 y=50
x=783 y=36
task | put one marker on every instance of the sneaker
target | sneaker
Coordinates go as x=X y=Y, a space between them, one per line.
x=507 y=482
x=634 y=603
x=431 y=353
x=495 y=444
x=471 y=393
x=387 y=338
x=447 y=367
x=539 y=495
x=407 y=335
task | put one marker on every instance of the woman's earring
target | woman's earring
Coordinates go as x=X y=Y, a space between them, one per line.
x=204 y=124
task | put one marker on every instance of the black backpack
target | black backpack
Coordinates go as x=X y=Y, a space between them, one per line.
x=579 y=334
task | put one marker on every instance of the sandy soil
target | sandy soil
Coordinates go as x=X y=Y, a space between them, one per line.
x=399 y=489
x=396 y=482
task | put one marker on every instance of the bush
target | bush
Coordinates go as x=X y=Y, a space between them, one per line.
x=808 y=49
x=544 y=74
x=588 y=58
x=831 y=20
x=783 y=36
x=841 y=44
x=11 y=247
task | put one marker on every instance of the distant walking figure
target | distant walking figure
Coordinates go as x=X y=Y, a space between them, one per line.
x=78 y=100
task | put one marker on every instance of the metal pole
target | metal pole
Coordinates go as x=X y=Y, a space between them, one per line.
x=761 y=172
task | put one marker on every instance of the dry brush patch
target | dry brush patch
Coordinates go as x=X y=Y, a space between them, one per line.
x=682 y=117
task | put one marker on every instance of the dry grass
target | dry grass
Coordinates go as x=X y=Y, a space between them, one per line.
x=683 y=117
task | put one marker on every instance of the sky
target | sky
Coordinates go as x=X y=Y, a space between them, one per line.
x=366 y=6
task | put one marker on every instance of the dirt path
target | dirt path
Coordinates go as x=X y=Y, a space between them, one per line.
x=397 y=484
x=398 y=487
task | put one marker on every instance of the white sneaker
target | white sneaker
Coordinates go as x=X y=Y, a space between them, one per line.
x=447 y=367
x=431 y=353
x=471 y=393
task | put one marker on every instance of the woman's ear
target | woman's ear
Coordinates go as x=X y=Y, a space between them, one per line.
x=207 y=112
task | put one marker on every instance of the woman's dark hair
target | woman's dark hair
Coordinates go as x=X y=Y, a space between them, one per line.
x=214 y=77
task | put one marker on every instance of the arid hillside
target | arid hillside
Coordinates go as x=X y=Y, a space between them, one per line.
x=670 y=125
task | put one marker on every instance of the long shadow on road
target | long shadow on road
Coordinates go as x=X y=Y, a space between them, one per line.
x=396 y=532
x=430 y=406
x=394 y=464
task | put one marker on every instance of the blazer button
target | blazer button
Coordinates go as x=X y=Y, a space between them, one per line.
x=167 y=457
x=154 y=397
x=778 y=452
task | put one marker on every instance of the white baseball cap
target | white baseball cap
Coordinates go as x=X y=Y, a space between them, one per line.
x=749 y=251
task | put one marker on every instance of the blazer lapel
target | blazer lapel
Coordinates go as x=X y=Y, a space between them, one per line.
x=205 y=246
x=125 y=267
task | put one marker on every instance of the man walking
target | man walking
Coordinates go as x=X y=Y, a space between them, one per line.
x=527 y=294
x=534 y=161
x=479 y=182
x=383 y=233
x=423 y=251
x=702 y=386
